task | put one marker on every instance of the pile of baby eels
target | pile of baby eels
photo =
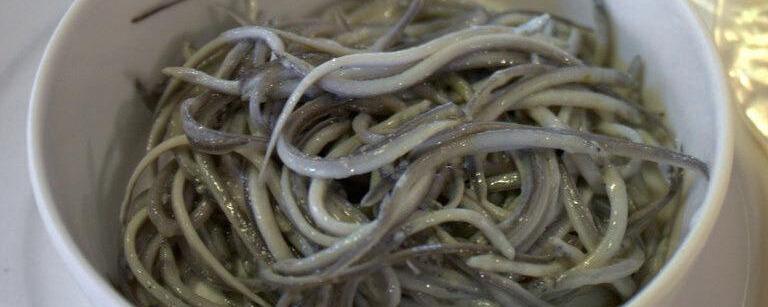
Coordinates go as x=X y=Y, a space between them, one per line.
x=428 y=153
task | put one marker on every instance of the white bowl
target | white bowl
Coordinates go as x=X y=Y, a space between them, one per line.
x=87 y=127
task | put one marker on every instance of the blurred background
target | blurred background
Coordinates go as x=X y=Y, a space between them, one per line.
x=31 y=274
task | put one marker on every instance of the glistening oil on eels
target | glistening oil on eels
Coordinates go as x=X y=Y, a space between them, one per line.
x=388 y=153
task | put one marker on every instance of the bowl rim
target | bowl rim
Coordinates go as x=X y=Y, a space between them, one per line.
x=98 y=289
x=94 y=285
x=688 y=249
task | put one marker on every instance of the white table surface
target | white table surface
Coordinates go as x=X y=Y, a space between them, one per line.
x=32 y=274
x=27 y=259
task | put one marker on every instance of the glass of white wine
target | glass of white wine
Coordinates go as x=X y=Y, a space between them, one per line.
x=740 y=29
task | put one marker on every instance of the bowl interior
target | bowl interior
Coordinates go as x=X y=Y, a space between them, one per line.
x=88 y=126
